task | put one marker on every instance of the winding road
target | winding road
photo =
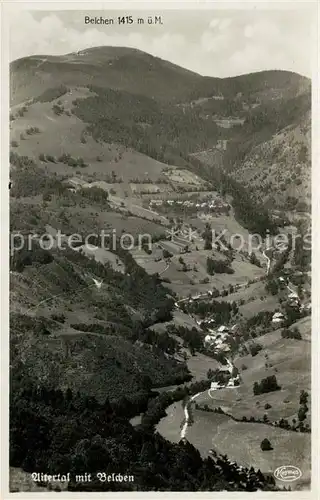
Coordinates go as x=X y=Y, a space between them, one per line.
x=268 y=260
x=208 y=391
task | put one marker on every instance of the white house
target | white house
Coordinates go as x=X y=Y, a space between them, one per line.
x=278 y=317
x=223 y=329
x=209 y=339
x=214 y=386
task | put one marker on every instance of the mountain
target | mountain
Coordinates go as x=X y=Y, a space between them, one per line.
x=108 y=67
x=134 y=71
x=285 y=156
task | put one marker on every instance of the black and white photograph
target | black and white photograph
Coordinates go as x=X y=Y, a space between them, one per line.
x=160 y=214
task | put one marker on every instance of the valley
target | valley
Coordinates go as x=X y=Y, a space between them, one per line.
x=167 y=320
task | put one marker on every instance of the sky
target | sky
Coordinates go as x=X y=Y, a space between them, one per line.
x=213 y=43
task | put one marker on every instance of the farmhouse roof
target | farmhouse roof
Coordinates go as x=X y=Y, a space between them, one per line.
x=278 y=315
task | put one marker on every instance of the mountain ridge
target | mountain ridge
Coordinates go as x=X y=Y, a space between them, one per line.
x=124 y=58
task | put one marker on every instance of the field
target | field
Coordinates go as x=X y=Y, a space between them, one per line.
x=65 y=133
x=248 y=293
x=90 y=220
x=221 y=433
x=170 y=426
x=179 y=319
x=291 y=359
x=196 y=262
x=200 y=364
x=148 y=262
x=252 y=307
x=143 y=188
x=103 y=256
x=183 y=176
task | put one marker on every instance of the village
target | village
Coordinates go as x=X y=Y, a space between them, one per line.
x=219 y=339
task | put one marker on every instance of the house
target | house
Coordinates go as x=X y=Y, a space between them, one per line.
x=209 y=339
x=223 y=329
x=294 y=300
x=76 y=183
x=214 y=386
x=278 y=317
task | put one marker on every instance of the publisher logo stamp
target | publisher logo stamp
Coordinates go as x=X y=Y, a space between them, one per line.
x=287 y=473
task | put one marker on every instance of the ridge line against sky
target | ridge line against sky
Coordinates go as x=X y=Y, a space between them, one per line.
x=216 y=43
x=161 y=58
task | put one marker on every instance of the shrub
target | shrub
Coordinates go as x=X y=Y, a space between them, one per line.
x=166 y=254
x=218 y=266
x=254 y=349
x=268 y=384
x=265 y=445
x=303 y=397
x=32 y=130
x=14 y=144
x=205 y=280
x=58 y=317
x=291 y=334
x=166 y=280
x=51 y=158
x=58 y=110
x=302 y=413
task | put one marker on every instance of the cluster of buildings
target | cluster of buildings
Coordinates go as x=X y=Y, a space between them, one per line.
x=232 y=382
x=216 y=204
x=278 y=318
